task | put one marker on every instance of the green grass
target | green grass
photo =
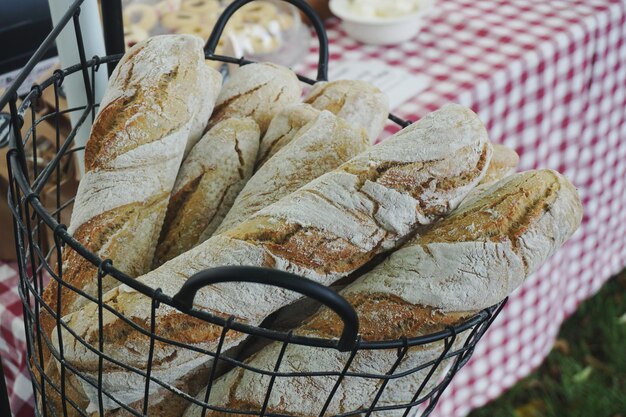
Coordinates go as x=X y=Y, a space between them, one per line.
x=585 y=374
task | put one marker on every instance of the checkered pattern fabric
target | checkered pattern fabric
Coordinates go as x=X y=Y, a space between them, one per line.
x=13 y=343
x=548 y=78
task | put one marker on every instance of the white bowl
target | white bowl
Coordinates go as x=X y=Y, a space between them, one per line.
x=379 y=30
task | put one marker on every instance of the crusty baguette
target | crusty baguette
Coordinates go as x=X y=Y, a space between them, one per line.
x=503 y=163
x=358 y=102
x=325 y=230
x=258 y=91
x=318 y=147
x=467 y=262
x=208 y=182
x=208 y=88
x=166 y=402
x=132 y=157
x=283 y=128
x=136 y=144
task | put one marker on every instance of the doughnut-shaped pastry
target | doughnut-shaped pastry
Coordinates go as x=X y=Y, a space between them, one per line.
x=140 y=15
x=199 y=29
x=286 y=21
x=201 y=6
x=166 y=6
x=260 y=12
x=134 y=34
x=179 y=20
x=264 y=44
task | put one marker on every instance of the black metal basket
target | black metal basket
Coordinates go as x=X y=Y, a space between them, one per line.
x=32 y=221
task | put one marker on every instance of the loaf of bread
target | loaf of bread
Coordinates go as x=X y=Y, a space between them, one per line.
x=503 y=163
x=132 y=158
x=208 y=86
x=465 y=263
x=150 y=109
x=318 y=147
x=258 y=91
x=166 y=402
x=208 y=182
x=358 y=102
x=323 y=231
x=283 y=128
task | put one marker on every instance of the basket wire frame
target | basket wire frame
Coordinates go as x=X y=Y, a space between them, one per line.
x=34 y=223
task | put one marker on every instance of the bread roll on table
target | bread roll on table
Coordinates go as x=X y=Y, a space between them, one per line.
x=208 y=182
x=317 y=148
x=463 y=264
x=324 y=231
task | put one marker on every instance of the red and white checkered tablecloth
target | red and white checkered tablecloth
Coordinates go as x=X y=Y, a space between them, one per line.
x=548 y=78
x=13 y=343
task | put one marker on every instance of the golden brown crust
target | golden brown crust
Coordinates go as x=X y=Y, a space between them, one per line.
x=308 y=247
x=143 y=114
x=165 y=403
x=501 y=213
x=383 y=317
x=216 y=170
x=258 y=91
x=103 y=229
x=504 y=161
x=73 y=392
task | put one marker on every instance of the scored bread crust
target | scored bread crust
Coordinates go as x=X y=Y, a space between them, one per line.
x=357 y=102
x=324 y=231
x=467 y=262
x=150 y=109
x=208 y=182
x=503 y=163
x=317 y=148
x=131 y=160
x=283 y=128
x=258 y=91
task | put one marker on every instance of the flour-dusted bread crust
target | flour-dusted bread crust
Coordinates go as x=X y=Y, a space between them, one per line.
x=132 y=157
x=208 y=182
x=208 y=87
x=258 y=91
x=317 y=148
x=503 y=163
x=358 y=102
x=147 y=115
x=323 y=231
x=467 y=262
x=165 y=402
x=283 y=128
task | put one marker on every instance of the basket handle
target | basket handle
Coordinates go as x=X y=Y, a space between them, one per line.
x=322 y=62
x=184 y=298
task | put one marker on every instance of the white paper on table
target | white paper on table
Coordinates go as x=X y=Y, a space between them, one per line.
x=397 y=83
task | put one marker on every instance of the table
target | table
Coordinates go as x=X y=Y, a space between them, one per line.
x=548 y=79
x=13 y=343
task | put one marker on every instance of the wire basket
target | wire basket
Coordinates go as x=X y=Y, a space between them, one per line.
x=420 y=383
